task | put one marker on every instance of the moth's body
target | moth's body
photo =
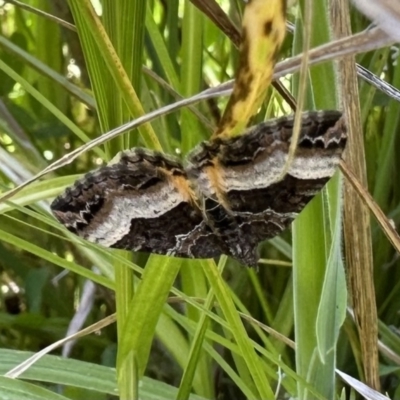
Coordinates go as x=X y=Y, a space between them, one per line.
x=229 y=196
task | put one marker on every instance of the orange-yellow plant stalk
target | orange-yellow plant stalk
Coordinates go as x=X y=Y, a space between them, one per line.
x=263 y=31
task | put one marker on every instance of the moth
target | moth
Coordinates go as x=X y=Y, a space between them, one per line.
x=225 y=198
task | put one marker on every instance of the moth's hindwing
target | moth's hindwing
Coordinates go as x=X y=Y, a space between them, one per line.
x=141 y=201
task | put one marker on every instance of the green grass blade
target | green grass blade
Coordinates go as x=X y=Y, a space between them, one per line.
x=191 y=71
x=196 y=350
x=45 y=70
x=145 y=308
x=16 y=389
x=238 y=331
x=311 y=246
x=101 y=53
x=333 y=303
x=48 y=104
x=92 y=377
x=61 y=262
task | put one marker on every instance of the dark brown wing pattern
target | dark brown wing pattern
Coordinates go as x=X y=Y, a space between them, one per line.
x=143 y=200
x=243 y=176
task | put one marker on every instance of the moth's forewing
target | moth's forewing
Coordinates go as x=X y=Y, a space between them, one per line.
x=142 y=201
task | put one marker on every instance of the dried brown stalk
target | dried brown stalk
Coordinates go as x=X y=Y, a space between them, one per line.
x=357 y=229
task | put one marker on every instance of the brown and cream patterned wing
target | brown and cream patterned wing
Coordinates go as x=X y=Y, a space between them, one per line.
x=141 y=201
x=252 y=164
x=244 y=174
